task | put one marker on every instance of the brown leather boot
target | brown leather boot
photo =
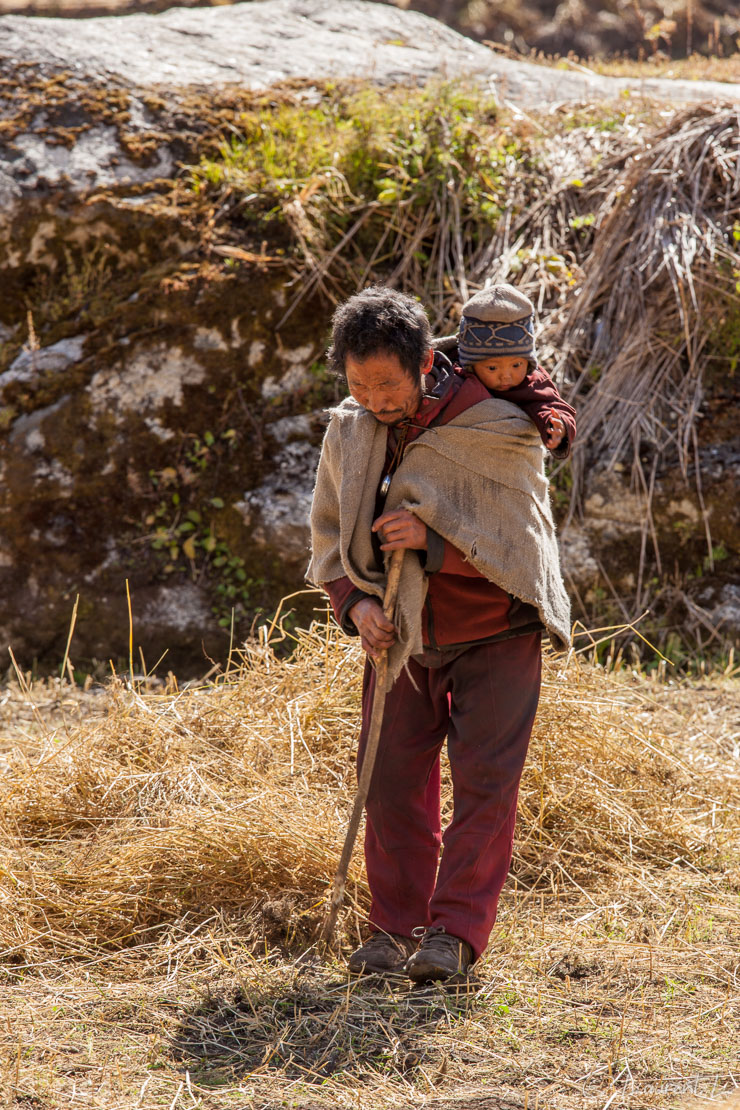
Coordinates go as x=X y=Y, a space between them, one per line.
x=439 y=956
x=381 y=954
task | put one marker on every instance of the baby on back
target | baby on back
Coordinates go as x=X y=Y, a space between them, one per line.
x=495 y=342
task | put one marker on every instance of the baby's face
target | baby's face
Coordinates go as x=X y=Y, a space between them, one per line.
x=501 y=372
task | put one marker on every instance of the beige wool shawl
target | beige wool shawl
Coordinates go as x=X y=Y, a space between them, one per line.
x=478 y=481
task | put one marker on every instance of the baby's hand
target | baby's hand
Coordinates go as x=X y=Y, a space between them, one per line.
x=554 y=431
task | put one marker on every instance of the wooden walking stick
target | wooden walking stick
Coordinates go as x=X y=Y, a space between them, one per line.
x=371 y=750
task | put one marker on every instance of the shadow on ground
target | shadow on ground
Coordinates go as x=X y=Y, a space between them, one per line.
x=318 y=1027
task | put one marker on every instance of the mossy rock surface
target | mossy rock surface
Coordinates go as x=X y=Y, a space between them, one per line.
x=127 y=464
x=139 y=376
x=161 y=373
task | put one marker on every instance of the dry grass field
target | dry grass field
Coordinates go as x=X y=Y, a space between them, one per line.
x=166 y=854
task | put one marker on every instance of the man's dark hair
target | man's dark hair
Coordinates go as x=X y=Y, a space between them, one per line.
x=380 y=320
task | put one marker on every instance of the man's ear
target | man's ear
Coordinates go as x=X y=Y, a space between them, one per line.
x=426 y=366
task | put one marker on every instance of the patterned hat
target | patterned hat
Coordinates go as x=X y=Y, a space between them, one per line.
x=497 y=321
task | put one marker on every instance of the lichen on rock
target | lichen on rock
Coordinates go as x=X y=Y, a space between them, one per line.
x=165 y=308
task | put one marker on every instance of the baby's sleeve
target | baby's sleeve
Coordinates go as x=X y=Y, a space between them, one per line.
x=538 y=396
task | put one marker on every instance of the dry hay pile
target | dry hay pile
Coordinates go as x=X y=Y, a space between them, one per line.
x=646 y=295
x=234 y=797
x=164 y=865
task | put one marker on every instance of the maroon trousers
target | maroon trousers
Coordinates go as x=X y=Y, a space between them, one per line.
x=484 y=701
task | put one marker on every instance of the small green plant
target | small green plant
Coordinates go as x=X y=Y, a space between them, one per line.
x=234 y=589
x=402 y=180
x=579 y=223
x=719 y=553
x=186 y=541
x=561 y=485
x=369 y=145
x=596 y=117
x=684 y=529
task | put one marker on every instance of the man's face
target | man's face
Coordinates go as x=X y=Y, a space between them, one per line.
x=381 y=385
x=501 y=372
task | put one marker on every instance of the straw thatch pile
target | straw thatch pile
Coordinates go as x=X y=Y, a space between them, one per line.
x=646 y=295
x=164 y=863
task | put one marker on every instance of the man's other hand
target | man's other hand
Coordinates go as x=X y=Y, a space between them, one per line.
x=377 y=633
x=400 y=528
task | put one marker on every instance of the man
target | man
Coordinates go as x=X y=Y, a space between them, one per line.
x=420 y=458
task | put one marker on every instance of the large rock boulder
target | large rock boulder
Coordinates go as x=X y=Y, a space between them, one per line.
x=587 y=28
x=259 y=44
x=138 y=380
x=160 y=407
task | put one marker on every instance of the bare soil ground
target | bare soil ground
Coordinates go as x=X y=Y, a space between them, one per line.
x=165 y=859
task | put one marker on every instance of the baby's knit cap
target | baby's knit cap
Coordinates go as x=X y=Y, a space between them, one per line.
x=497 y=321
